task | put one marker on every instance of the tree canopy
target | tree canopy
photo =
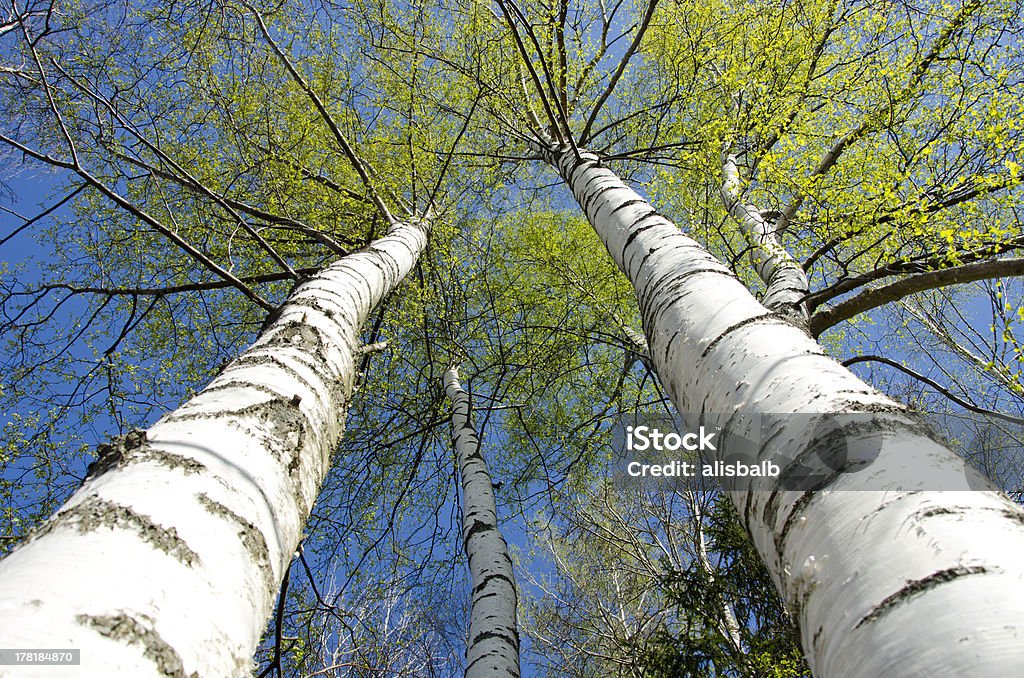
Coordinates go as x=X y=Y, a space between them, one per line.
x=176 y=170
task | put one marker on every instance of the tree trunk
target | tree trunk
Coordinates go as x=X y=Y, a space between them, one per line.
x=729 y=628
x=493 y=648
x=167 y=560
x=885 y=578
x=785 y=281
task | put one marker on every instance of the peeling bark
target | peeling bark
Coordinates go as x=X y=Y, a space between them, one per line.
x=493 y=648
x=167 y=561
x=840 y=559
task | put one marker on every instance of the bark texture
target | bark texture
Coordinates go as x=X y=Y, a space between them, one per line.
x=493 y=648
x=896 y=580
x=784 y=279
x=167 y=560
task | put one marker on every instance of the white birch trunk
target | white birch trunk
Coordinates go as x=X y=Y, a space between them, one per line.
x=730 y=627
x=894 y=581
x=493 y=648
x=169 y=562
x=785 y=280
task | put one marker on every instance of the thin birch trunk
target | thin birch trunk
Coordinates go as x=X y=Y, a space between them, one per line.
x=729 y=627
x=899 y=580
x=785 y=280
x=493 y=648
x=167 y=561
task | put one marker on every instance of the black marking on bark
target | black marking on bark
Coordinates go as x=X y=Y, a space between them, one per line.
x=253 y=409
x=476 y=528
x=833 y=440
x=334 y=292
x=669 y=246
x=636 y=231
x=858 y=407
x=582 y=191
x=261 y=360
x=487 y=582
x=288 y=421
x=627 y=203
x=168 y=460
x=671 y=292
x=110 y=455
x=95 y=513
x=672 y=274
x=816 y=638
x=768 y=318
x=229 y=384
x=792 y=314
x=484 y=656
x=296 y=333
x=1013 y=514
x=587 y=200
x=916 y=587
x=249 y=535
x=794 y=513
x=827 y=448
x=510 y=638
x=908 y=421
x=890 y=501
x=804 y=590
x=128 y=630
x=315 y=304
x=475 y=453
x=282 y=412
x=935 y=511
x=569 y=171
x=671 y=341
x=650 y=253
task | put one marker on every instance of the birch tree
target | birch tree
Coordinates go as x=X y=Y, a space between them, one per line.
x=211 y=499
x=843 y=561
x=493 y=632
x=316 y=169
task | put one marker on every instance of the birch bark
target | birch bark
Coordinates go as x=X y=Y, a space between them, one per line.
x=166 y=562
x=898 y=580
x=785 y=281
x=493 y=648
x=729 y=627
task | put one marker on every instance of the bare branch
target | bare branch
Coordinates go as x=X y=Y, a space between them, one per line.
x=644 y=23
x=869 y=299
x=555 y=128
x=938 y=387
x=143 y=216
x=325 y=115
x=48 y=211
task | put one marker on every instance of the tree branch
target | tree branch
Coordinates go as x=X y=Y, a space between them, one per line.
x=938 y=387
x=166 y=291
x=325 y=115
x=869 y=299
x=644 y=23
x=143 y=216
x=831 y=157
x=957 y=194
x=552 y=121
